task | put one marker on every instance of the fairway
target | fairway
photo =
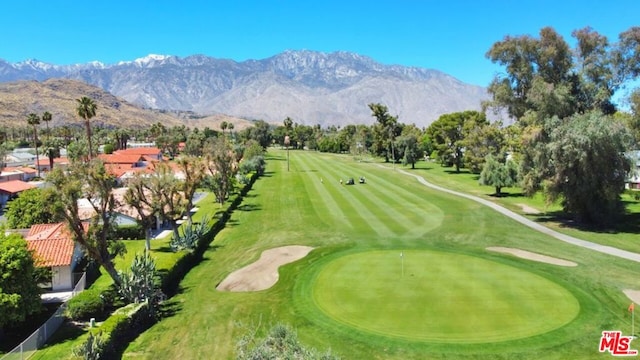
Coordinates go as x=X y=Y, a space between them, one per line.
x=456 y=300
x=441 y=297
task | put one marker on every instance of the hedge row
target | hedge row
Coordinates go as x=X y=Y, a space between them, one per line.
x=122 y=327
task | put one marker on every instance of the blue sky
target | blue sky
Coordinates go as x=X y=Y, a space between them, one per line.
x=452 y=36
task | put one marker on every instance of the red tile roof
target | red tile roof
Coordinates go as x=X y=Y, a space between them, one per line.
x=59 y=161
x=119 y=170
x=120 y=158
x=140 y=151
x=15 y=186
x=27 y=170
x=52 y=244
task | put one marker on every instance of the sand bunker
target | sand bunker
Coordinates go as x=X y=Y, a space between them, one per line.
x=533 y=256
x=263 y=273
x=633 y=295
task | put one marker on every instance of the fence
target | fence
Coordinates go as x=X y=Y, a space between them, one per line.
x=38 y=338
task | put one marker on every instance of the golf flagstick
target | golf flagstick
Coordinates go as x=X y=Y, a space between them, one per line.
x=402 y=262
x=632 y=309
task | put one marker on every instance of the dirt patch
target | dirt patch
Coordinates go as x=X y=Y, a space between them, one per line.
x=532 y=256
x=528 y=209
x=633 y=295
x=263 y=273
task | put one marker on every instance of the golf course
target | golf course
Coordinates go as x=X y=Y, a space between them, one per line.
x=397 y=270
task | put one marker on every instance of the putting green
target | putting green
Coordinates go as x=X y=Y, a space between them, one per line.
x=442 y=297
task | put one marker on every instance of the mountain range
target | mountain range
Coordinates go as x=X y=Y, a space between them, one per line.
x=308 y=86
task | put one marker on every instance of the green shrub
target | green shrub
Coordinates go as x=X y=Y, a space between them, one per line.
x=129 y=232
x=122 y=327
x=86 y=305
x=108 y=148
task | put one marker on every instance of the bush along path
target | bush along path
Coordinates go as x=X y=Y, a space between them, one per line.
x=111 y=338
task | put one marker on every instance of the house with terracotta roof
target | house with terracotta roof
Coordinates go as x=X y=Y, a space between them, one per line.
x=130 y=160
x=124 y=214
x=44 y=165
x=17 y=173
x=150 y=153
x=10 y=189
x=53 y=247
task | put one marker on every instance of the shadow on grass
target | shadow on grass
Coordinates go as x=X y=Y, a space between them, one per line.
x=171 y=308
x=163 y=249
x=454 y=172
x=627 y=223
x=68 y=331
x=507 y=195
x=249 y=207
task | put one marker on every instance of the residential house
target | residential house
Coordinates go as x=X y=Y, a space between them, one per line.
x=10 y=189
x=125 y=160
x=124 y=214
x=149 y=153
x=10 y=174
x=44 y=165
x=54 y=248
x=20 y=157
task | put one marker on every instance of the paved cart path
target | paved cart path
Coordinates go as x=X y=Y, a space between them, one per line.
x=532 y=224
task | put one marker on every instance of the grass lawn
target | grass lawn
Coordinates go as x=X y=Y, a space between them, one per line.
x=434 y=296
x=623 y=235
x=390 y=213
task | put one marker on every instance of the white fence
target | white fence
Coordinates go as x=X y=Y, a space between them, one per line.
x=39 y=337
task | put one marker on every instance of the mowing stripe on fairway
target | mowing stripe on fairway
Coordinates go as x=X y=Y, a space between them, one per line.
x=329 y=204
x=402 y=215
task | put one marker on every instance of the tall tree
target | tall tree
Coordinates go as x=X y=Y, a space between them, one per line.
x=408 y=147
x=86 y=109
x=92 y=183
x=34 y=121
x=193 y=169
x=581 y=163
x=52 y=149
x=223 y=126
x=164 y=185
x=260 y=131
x=31 y=207
x=47 y=117
x=385 y=131
x=140 y=197
x=482 y=139
x=19 y=292
x=448 y=134
x=221 y=168
x=498 y=173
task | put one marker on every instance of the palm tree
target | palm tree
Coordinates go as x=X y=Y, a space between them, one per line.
x=52 y=149
x=34 y=120
x=87 y=109
x=230 y=127
x=224 y=125
x=46 y=117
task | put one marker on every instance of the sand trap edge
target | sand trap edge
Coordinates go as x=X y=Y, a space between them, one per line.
x=528 y=255
x=263 y=273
